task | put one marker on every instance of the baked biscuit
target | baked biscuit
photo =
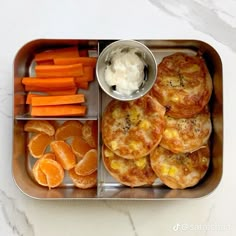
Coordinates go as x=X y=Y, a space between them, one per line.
x=187 y=134
x=179 y=171
x=183 y=85
x=133 y=129
x=132 y=173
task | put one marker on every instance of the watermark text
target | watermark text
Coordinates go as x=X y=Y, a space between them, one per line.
x=201 y=227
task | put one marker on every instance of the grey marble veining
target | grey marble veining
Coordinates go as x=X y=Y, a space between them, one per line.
x=15 y=218
x=209 y=217
x=119 y=208
x=209 y=17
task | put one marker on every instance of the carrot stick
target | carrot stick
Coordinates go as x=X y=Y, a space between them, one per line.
x=81 y=79
x=51 y=93
x=30 y=95
x=86 y=61
x=89 y=71
x=60 y=110
x=51 y=90
x=57 y=100
x=62 y=92
x=83 y=85
x=53 y=53
x=59 y=70
x=49 y=83
x=88 y=75
x=46 y=62
x=83 y=52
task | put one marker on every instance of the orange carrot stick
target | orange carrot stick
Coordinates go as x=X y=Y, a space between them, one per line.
x=89 y=71
x=51 y=93
x=53 y=53
x=62 y=92
x=83 y=52
x=57 y=100
x=81 y=79
x=46 y=62
x=88 y=75
x=60 y=110
x=30 y=95
x=50 y=90
x=49 y=83
x=59 y=70
x=86 y=61
x=83 y=85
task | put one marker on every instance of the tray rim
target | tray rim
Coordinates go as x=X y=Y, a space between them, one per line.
x=182 y=41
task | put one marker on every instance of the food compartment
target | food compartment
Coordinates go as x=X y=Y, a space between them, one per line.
x=27 y=177
x=33 y=77
x=61 y=151
x=111 y=188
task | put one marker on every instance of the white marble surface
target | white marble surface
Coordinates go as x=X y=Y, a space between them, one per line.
x=213 y=21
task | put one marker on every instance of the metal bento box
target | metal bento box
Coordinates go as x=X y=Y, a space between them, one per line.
x=96 y=100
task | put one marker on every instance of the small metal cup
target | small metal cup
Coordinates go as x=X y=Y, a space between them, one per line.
x=150 y=73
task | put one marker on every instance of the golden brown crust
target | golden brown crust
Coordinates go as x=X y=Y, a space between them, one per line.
x=133 y=129
x=132 y=173
x=183 y=85
x=187 y=134
x=182 y=170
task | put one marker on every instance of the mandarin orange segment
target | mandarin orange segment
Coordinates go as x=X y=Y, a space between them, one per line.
x=90 y=132
x=88 y=164
x=64 y=154
x=38 y=144
x=39 y=176
x=79 y=147
x=53 y=171
x=55 y=123
x=48 y=172
x=49 y=155
x=39 y=126
x=83 y=182
x=69 y=129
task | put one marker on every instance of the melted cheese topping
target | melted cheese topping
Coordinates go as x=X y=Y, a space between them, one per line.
x=183 y=85
x=187 y=135
x=182 y=170
x=133 y=129
x=132 y=173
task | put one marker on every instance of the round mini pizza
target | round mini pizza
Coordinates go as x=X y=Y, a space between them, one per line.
x=133 y=129
x=187 y=134
x=132 y=173
x=183 y=85
x=181 y=170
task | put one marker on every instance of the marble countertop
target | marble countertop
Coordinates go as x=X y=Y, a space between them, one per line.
x=212 y=21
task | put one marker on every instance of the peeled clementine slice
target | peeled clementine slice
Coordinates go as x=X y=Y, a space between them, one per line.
x=39 y=176
x=39 y=126
x=88 y=164
x=90 y=132
x=79 y=146
x=49 y=155
x=83 y=182
x=53 y=171
x=38 y=144
x=48 y=172
x=69 y=129
x=64 y=154
x=55 y=124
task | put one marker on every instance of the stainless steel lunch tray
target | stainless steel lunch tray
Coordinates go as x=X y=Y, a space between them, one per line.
x=107 y=187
